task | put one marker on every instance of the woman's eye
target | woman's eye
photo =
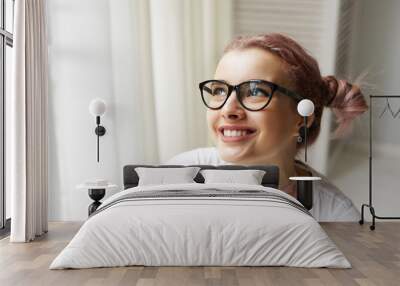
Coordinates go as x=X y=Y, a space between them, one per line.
x=257 y=92
x=219 y=91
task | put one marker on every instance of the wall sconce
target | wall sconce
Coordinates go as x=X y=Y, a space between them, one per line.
x=304 y=184
x=305 y=108
x=97 y=108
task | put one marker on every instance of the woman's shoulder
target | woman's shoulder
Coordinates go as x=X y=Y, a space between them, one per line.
x=197 y=156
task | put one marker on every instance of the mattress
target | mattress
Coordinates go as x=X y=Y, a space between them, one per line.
x=201 y=225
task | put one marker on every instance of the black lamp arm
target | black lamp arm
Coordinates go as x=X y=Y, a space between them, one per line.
x=99 y=131
x=305 y=138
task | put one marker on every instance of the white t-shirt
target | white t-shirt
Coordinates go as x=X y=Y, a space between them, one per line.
x=329 y=203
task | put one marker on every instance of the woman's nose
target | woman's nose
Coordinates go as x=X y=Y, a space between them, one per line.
x=232 y=108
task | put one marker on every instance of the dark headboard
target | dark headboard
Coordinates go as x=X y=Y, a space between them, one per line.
x=270 y=179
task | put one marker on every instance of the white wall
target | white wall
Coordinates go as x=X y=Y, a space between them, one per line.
x=377 y=50
x=91 y=54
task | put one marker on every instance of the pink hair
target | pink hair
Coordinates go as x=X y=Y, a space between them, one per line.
x=345 y=99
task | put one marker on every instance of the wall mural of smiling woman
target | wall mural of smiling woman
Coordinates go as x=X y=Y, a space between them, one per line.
x=251 y=114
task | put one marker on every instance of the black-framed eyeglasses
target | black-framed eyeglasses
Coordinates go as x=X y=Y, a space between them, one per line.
x=253 y=95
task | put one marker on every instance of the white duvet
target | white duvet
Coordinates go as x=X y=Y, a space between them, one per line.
x=200 y=231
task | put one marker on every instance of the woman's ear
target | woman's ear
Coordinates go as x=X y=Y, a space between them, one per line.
x=310 y=120
x=300 y=121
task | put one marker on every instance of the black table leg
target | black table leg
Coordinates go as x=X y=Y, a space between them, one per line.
x=305 y=193
x=96 y=195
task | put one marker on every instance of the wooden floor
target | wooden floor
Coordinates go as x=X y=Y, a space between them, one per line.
x=375 y=256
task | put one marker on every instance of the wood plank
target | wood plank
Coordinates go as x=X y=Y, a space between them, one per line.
x=374 y=255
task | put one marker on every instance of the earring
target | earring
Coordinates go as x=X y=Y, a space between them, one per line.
x=302 y=134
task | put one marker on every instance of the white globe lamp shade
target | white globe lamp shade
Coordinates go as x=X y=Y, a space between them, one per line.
x=305 y=107
x=97 y=107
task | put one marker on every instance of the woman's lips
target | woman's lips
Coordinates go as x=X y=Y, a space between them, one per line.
x=236 y=134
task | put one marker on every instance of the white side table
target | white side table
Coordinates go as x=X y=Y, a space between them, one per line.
x=305 y=190
x=96 y=193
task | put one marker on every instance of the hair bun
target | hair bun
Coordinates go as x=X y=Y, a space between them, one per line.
x=332 y=85
x=346 y=101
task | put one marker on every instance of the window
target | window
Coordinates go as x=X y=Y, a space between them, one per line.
x=6 y=44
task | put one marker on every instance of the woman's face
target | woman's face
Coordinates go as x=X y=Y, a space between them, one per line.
x=268 y=133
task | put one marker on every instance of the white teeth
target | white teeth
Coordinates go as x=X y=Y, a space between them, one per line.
x=234 y=133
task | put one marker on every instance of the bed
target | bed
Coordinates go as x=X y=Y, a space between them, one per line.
x=201 y=224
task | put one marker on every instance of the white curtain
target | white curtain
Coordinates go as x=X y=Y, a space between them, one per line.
x=27 y=123
x=145 y=59
x=187 y=39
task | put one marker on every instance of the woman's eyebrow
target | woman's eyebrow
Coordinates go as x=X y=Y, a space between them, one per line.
x=221 y=80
